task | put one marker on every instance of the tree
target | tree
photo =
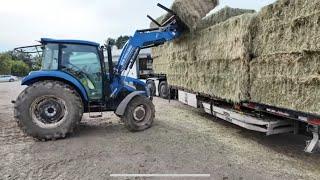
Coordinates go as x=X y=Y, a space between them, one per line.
x=36 y=63
x=11 y=65
x=33 y=61
x=5 y=63
x=121 y=41
x=110 y=41
x=19 y=68
x=20 y=56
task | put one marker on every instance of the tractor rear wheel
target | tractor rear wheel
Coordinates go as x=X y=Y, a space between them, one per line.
x=139 y=114
x=48 y=110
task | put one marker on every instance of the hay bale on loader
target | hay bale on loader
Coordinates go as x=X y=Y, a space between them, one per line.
x=286 y=69
x=192 y=11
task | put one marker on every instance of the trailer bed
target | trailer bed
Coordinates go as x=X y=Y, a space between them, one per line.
x=256 y=117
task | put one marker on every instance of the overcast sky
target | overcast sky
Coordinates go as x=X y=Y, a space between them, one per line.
x=22 y=22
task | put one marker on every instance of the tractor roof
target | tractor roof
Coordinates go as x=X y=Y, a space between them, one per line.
x=68 y=41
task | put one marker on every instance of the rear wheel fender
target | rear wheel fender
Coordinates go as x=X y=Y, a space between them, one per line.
x=37 y=76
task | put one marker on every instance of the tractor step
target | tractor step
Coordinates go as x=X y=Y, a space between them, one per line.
x=95 y=116
x=96 y=106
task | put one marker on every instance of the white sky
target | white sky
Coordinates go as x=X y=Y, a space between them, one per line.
x=22 y=22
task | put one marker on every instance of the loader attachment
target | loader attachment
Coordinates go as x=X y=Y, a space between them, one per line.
x=190 y=12
x=171 y=17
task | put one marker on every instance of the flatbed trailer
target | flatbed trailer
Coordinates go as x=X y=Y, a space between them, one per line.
x=249 y=115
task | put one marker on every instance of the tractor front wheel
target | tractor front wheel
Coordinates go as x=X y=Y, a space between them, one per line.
x=139 y=114
x=48 y=110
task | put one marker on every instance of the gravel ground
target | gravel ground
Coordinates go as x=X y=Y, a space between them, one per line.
x=182 y=140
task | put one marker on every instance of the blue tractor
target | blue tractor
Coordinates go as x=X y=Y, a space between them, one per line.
x=74 y=79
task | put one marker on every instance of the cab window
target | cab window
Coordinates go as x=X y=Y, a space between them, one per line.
x=50 y=57
x=82 y=61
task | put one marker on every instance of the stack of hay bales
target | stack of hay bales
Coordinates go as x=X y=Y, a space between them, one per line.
x=213 y=61
x=271 y=57
x=161 y=59
x=286 y=69
x=221 y=62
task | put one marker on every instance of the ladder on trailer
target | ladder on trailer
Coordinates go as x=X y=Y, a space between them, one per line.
x=314 y=144
x=269 y=126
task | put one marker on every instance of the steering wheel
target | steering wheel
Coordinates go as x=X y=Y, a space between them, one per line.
x=78 y=69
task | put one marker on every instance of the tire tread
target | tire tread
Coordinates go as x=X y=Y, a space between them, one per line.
x=62 y=132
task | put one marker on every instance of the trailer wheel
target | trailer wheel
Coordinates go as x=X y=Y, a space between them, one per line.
x=48 y=110
x=164 y=90
x=139 y=114
x=152 y=87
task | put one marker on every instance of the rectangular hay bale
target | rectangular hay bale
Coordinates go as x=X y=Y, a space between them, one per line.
x=160 y=60
x=290 y=81
x=287 y=26
x=225 y=47
x=213 y=61
x=221 y=16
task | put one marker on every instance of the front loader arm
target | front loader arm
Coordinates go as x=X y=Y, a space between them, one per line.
x=144 y=39
x=172 y=28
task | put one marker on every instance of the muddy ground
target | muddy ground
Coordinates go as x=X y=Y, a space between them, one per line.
x=182 y=140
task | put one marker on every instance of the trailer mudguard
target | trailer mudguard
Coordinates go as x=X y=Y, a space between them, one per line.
x=36 y=76
x=123 y=105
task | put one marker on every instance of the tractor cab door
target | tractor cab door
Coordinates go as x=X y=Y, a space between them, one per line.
x=83 y=62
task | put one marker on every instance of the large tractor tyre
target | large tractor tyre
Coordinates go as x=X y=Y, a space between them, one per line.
x=152 y=87
x=48 y=110
x=164 y=90
x=139 y=114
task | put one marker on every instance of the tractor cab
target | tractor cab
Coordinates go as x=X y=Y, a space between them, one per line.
x=80 y=59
